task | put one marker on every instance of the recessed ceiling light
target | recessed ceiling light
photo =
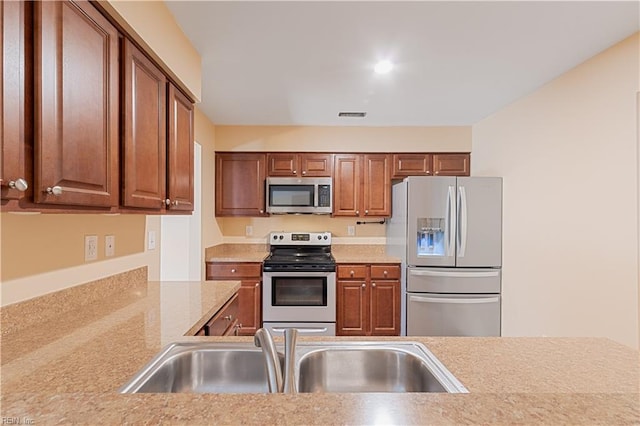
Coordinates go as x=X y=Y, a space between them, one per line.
x=383 y=67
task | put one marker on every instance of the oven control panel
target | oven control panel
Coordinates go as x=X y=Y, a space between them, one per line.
x=300 y=238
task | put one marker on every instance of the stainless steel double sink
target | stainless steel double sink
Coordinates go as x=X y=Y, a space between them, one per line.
x=340 y=366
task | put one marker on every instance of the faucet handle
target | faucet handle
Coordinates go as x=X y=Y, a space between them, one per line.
x=290 y=338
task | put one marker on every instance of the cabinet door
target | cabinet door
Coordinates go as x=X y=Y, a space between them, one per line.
x=377 y=185
x=451 y=164
x=385 y=308
x=282 y=164
x=411 y=165
x=240 y=184
x=346 y=185
x=16 y=125
x=180 y=151
x=250 y=307
x=316 y=165
x=145 y=139
x=352 y=308
x=76 y=105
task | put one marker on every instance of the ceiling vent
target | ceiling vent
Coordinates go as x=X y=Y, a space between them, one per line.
x=352 y=114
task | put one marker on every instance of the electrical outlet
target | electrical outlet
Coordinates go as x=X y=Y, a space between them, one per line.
x=351 y=230
x=110 y=245
x=90 y=247
x=248 y=230
x=151 y=241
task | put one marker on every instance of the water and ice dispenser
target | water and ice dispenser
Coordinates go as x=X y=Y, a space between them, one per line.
x=431 y=236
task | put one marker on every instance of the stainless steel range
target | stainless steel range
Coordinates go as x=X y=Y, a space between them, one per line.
x=299 y=278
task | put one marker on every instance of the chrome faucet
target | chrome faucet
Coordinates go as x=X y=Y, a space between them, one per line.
x=279 y=382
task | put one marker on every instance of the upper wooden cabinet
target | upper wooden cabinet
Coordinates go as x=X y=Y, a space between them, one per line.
x=76 y=105
x=420 y=164
x=451 y=164
x=16 y=125
x=288 y=164
x=144 y=131
x=240 y=184
x=180 y=151
x=362 y=185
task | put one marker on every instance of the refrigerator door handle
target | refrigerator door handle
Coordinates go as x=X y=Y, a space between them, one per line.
x=421 y=299
x=462 y=221
x=451 y=214
x=478 y=274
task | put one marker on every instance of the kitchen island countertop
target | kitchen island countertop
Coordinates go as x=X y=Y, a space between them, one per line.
x=74 y=376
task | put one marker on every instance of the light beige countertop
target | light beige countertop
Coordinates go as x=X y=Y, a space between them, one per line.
x=343 y=253
x=68 y=368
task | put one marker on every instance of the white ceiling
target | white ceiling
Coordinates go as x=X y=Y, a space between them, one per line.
x=300 y=63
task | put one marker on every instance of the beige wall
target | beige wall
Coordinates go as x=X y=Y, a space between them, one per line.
x=33 y=244
x=343 y=139
x=569 y=157
x=205 y=136
x=152 y=25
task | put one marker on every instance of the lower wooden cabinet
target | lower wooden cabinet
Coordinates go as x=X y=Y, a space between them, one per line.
x=224 y=322
x=368 y=300
x=250 y=294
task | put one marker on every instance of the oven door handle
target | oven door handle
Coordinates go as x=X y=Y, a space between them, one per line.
x=305 y=330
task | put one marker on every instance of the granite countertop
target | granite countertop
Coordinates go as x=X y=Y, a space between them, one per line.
x=343 y=253
x=69 y=367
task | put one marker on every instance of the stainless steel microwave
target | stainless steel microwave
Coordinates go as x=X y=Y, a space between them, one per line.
x=299 y=195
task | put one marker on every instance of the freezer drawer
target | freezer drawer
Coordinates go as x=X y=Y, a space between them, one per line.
x=453 y=314
x=453 y=280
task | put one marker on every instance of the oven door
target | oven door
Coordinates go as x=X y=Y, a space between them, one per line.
x=299 y=297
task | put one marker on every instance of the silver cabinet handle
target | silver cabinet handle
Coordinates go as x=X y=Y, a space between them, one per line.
x=20 y=184
x=431 y=273
x=448 y=300
x=55 y=190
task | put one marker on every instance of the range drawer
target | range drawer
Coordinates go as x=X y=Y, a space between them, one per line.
x=229 y=270
x=346 y=272
x=226 y=317
x=385 y=272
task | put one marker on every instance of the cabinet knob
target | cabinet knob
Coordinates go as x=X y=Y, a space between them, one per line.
x=373 y=284
x=366 y=212
x=20 y=184
x=236 y=329
x=233 y=271
x=357 y=211
x=167 y=202
x=364 y=285
x=257 y=285
x=428 y=172
x=228 y=317
x=304 y=172
x=295 y=172
x=436 y=173
x=352 y=273
x=55 y=190
x=384 y=273
x=261 y=211
x=175 y=203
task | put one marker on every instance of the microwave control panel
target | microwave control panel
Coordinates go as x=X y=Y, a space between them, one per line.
x=324 y=195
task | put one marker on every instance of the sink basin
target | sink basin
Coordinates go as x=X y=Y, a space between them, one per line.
x=203 y=368
x=372 y=367
x=335 y=366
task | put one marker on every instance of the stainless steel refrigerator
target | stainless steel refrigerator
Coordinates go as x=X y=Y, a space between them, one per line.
x=448 y=233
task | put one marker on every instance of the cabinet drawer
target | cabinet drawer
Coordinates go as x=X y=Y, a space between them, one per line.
x=233 y=270
x=390 y=272
x=224 y=319
x=352 y=272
